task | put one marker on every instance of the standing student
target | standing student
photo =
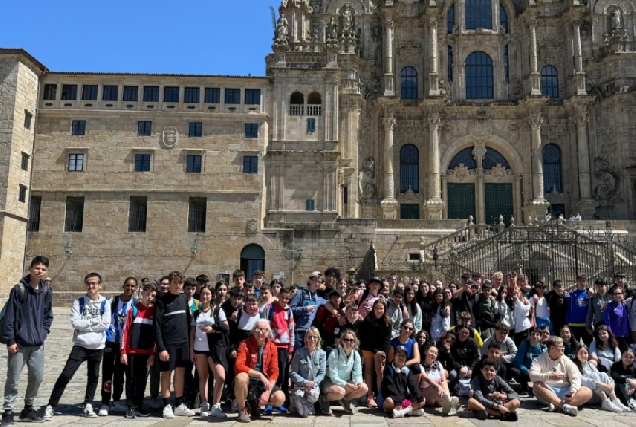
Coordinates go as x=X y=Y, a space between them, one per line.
x=539 y=306
x=172 y=320
x=520 y=311
x=163 y=287
x=557 y=304
x=138 y=350
x=375 y=339
x=304 y=305
x=112 y=368
x=577 y=303
x=598 y=303
x=27 y=322
x=258 y=280
x=616 y=317
x=90 y=317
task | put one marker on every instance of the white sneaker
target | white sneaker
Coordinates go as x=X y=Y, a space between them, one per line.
x=446 y=404
x=607 y=405
x=570 y=410
x=552 y=408
x=217 y=412
x=88 y=411
x=205 y=409
x=48 y=413
x=632 y=404
x=418 y=412
x=167 y=412
x=183 y=411
x=398 y=413
x=617 y=402
x=103 y=411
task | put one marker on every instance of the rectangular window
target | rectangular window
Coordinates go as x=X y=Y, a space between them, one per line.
x=409 y=211
x=69 y=92
x=22 y=195
x=28 y=118
x=191 y=95
x=212 y=95
x=195 y=129
x=89 y=93
x=250 y=164
x=74 y=221
x=131 y=93
x=253 y=96
x=506 y=67
x=171 y=94
x=151 y=93
x=144 y=128
x=138 y=214
x=478 y=14
x=232 y=96
x=110 y=93
x=25 y=162
x=78 y=127
x=193 y=163
x=75 y=162
x=34 y=213
x=50 y=92
x=345 y=194
x=142 y=162
x=311 y=125
x=251 y=130
x=310 y=205
x=196 y=214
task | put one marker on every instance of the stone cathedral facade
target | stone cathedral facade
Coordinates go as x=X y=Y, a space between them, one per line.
x=380 y=126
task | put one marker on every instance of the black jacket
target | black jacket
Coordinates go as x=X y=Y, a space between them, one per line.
x=465 y=354
x=620 y=374
x=501 y=368
x=36 y=315
x=399 y=386
x=375 y=335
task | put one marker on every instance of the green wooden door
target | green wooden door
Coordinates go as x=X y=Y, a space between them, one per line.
x=498 y=202
x=461 y=201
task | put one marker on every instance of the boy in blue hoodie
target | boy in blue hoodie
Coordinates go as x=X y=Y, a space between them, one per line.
x=27 y=322
x=90 y=317
x=527 y=351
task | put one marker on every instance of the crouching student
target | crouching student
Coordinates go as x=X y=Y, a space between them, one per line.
x=492 y=395
x=308 y=369
x=400 y=392
x=138 y=350
x=434 y=384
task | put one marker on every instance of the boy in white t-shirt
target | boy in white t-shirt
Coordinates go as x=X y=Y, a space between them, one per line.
x=540 y=308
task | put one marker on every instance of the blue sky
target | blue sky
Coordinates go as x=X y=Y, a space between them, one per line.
x=160 y=36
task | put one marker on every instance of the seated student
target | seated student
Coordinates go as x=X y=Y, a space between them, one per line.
x=624 y=375
x=308 y=369
x=256 y=372
x=569 y=342
x=494 y=356
x=557 y=380
x=465 y=353
x=493 y=396
x=413 y=351
x=434 y=385
x=527 y=351
x=400 y=392
x=465 y=319
x=507 y=345
x=344 y=376
x=545 y=334
x=604 y=349
x=600 y=383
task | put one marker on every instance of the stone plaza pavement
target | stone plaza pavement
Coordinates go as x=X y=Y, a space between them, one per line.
x=58 y=346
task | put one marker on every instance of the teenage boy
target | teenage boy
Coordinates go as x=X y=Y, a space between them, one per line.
x=27 y=322
x=556 y=303
x=527 y=351
x=539 y=306
x=202 y=279
x=506 y=344
x=171 y=322
x=493 y=396
x=190 y=289
x=598 y=303
x=577 y=303
x=265 y=298
x=257 y=281
x=396 y=311
x=304 y=304
x=138 y=350
x=90 y=317
x=485 y=311
x=230 y=307
x=493 y=355
x=163 y=287
x=238 y=278
x=399 y=385
x=332 y=277
x=112 y=368
x=327 y=322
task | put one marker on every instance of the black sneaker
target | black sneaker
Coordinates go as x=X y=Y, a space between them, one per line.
x=7 y=419
x=482 y=415
x=130 y=413
x=141 y=412
x=255 y=409
x=29 y=415
x=509 y=416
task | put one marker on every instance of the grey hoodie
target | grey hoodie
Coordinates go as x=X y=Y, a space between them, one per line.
x=91 y=325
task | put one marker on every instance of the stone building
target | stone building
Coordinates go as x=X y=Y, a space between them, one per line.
x=381 y=127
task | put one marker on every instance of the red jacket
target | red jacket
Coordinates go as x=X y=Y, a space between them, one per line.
x=138 y=336
x=247 y=358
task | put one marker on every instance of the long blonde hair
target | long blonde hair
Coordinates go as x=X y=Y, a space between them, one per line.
x=316 y=332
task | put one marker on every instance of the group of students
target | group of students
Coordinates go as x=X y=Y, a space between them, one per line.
x=301 y=349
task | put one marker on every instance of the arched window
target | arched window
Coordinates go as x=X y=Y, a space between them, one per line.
x=450 y=64
x=493 y=158
x=464 y=157
x=549 y=81
x=296 y=104
x=478 y=14
x=409 y=169
x=314 y=104
x=450 y=19
x=408 y=83
x=252 y=259
x=479 y=76
x=314 y=98
x=503 y=19
x=552 y=168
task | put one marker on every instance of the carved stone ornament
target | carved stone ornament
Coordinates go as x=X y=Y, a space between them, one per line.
x=498 y=172
x=366 y=181
x=608 y=188
x=616 y=20
x=282 y=30
x=251 y=227
x=461 y=172
x=409 y=196
x=170 y=137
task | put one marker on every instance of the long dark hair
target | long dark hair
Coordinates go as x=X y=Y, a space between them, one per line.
x=385 y=317
x=434 y=305
x=420 y=296
x=412 y=305
x=576 y=360
x=611 y=340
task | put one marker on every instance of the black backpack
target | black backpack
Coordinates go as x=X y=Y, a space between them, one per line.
x=17 y=324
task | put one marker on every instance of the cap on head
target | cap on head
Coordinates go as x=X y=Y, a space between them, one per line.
x=315 y=274
x=400 y=348
x=375 y=279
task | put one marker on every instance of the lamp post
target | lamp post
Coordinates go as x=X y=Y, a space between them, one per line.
x=435 y=257
x=193 y=249
x=68 y=248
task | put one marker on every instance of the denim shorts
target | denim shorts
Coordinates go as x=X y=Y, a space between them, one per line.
x=559 y=391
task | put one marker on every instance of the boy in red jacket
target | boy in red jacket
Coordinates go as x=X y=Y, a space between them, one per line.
x=138 y=350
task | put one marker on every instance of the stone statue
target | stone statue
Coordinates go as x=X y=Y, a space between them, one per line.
x=282 y=30
x=347 y=21
x=616 y=20
x=332 y=29
x=366 y=179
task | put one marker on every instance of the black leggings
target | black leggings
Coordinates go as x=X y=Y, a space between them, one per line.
x=78 y=355
x=112 y=373
x=136 y=379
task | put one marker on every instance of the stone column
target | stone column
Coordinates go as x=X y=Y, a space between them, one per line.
x=434 y=204
x=586 y=204
x=389 y=204
x=478 y=154
x=434 y=75
x=538 y=205
x=535 y=82
x=579 y=74
x=517 y=198
x=389 y=87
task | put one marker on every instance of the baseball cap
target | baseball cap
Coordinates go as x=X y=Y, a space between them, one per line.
x=315 y=274
x=400 y=348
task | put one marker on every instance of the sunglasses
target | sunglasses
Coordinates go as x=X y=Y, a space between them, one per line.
x=348 y=340
x=261 y=330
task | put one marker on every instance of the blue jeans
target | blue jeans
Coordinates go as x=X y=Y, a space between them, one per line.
x=299 y=339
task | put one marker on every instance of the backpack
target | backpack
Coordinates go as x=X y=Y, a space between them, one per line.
x=380 y=397
x=462 y=388
x=17 y=324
